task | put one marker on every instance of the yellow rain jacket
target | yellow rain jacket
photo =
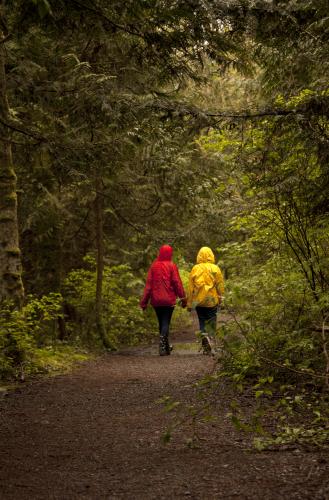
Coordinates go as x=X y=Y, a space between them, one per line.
x=206 y=283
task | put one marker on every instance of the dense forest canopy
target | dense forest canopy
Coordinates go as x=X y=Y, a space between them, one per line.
x=125 y=125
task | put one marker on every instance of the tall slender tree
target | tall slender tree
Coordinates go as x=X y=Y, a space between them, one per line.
x=11 y=286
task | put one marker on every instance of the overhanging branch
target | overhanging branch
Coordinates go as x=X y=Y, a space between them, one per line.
x=16 y=128
x=103 y=16
x=180 y=109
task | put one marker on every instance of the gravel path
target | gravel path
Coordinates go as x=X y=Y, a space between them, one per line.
x=95 y=433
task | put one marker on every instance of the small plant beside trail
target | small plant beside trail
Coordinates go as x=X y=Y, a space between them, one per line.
x=270 y=415
x=26 y=335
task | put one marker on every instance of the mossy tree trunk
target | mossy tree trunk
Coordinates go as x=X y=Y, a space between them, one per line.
x=11 y=286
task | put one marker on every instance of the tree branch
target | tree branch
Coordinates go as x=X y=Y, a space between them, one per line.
x=5 y=38
x=101 y=14
x=179 y=108
x=16 y=128
x=126 y=221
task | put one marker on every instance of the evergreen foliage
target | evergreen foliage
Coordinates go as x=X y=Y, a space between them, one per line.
x=124 y=321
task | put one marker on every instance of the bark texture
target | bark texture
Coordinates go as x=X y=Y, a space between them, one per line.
x=11 y=286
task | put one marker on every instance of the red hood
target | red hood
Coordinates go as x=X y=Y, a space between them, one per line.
x=165 y=253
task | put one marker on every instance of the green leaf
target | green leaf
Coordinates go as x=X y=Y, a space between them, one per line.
x=237 y=422
x=166 y=436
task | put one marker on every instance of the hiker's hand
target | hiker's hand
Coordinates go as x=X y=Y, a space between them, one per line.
x=183 y=303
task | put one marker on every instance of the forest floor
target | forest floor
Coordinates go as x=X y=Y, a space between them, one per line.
x=96 y=433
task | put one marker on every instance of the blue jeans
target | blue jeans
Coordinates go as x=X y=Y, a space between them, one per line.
x=164 y=314
x=207 y=319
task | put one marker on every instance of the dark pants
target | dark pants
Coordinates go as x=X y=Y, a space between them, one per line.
x=164 y=314
x=207 y=319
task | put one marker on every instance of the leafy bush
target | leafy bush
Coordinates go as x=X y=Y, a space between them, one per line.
x=23 y=332
x=275 y=324
x=124 y=322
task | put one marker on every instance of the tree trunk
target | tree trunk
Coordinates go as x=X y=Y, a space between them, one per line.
x=11 y=286
x=99 y=215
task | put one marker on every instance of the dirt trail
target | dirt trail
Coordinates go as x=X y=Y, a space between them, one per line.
x=95 y=434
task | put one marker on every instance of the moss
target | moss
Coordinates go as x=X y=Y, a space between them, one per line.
x=8 y=176
x=15 y=294
x=14 y=252
x=57 y=359
x=9 y=200
x=7 y=187
x=11 y=196
x=15 y=288
x=12 y=276
x=187 y=346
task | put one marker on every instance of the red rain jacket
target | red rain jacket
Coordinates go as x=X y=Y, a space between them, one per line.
x=163 y=282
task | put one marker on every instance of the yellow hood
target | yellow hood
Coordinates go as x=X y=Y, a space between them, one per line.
x=205 y=255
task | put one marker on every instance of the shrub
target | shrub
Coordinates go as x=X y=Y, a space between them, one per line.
x=23 y=332
x=275 y=320
x=124 y=322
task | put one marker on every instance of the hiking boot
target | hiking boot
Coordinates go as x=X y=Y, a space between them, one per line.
x=169 y=349
x=206 y=347
x=163 y=350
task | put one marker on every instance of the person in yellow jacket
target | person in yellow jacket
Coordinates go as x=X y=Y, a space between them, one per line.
x=205 y=292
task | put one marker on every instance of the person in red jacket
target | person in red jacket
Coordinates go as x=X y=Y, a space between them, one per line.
x=163 y=286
